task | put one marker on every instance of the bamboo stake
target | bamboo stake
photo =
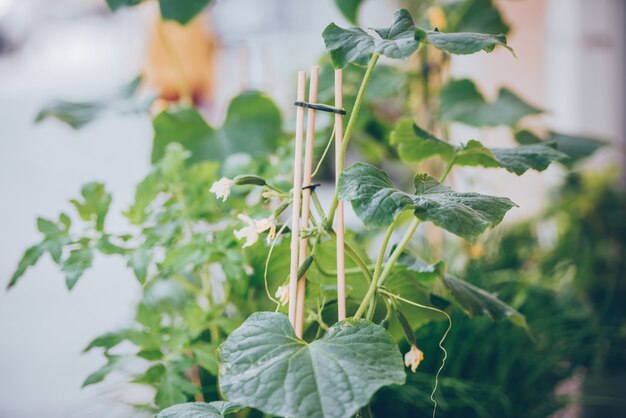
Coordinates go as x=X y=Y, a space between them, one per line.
x=295 y=212
x=341 y=266
x=306 y=195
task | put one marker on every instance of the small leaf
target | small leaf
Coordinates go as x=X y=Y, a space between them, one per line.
x=29 y=259
x=79 y=114
x=460 y=101
x=215 y=409
x=139 y=261
x=113 y=363
x=423 y=271
x=349 y=9
x=376 y=201
x=264 y=365
x=520 y=159
x=182 y=11
x=106 y=341
x=464 y=43
x=74 y=266
x=573 y=146
x=172 y=389
x=95 y=204
x=476 y=301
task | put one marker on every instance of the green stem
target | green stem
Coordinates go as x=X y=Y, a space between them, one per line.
x=379 y=263
x=388 y=266
x=318 y=206
x=448 y=169
x=346 y=137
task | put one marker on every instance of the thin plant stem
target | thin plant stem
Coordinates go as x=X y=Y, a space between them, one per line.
x=371 y=291
x=443 y=338
x=319 y=163
x=267 y=264
x=346 y=137
x=379 y=262
x=177 y=64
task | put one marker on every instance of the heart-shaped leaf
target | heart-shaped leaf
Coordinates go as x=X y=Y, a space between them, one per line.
x=574 y=146
x=414 y=145
x=376 y=201
x=215 y=409
x=253 y=125
x=460 y=101
x=400 y=40
x=263 y=365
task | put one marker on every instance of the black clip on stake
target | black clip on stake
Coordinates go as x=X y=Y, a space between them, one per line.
x=322 y=107
x=312 y=186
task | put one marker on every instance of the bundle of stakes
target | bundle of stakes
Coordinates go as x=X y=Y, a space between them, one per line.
x=302 y=189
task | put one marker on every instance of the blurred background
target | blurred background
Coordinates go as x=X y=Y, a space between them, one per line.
x=571 y=61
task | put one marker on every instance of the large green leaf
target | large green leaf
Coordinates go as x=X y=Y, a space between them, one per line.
x=79 y=114
x=264 y=365
x=464 y=43
x=182 y=11
x=400 y=40
x=376 y=201
x=460 y=101
x=476 y=301
x=415 y=144
x=253 y=125
x=215 y=409
x=187 y=127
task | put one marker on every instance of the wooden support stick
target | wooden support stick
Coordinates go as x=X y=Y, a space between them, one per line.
x=295 y=212
x=341 y=265
x=306 y=194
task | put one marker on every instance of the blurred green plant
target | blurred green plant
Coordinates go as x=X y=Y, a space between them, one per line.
x=199 y=284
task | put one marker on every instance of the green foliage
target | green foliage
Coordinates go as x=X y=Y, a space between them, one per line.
x=464 y=43
x=475 y=16
x=80 y=114
x=253 y=126
x=574 y=146
x=377 y=201
x=350 y=9
x=215 y=409
x=415 y=144
x=181 y=11
x=400 y=40
x=265 y=366
x=461 y=101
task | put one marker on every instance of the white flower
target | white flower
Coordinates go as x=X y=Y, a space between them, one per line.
x=267 y=224
x=282 y=294
x=413 y=358
x=254 y=227
x=249 y=232
x=221 y=188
